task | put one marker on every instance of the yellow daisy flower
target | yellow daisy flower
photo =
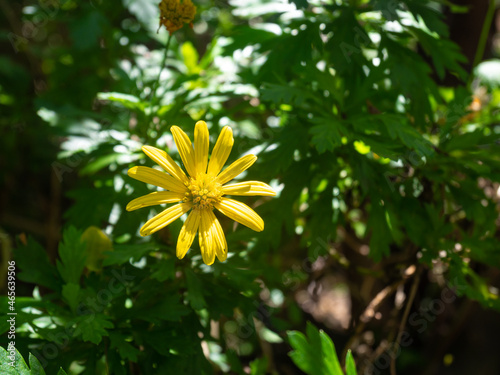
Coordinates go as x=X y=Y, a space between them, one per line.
x=174 y=14
x=200 y=191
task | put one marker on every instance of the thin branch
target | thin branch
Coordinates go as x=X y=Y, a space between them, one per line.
x=374 y=305
x=162 y=67
x=481 y=45
x=402 y=325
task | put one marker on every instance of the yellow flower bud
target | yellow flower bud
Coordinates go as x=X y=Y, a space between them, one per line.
x=174 y=14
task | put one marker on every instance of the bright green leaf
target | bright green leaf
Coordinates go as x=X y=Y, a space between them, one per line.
x=349 y=364
x=72 y=254
x=315 y=355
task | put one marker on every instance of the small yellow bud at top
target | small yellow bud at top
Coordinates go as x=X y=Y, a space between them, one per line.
x=174 y=14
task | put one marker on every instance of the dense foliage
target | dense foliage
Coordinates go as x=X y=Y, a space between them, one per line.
x=387 y=184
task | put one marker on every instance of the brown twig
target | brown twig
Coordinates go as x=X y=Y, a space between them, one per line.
x=375 y=303
x=402 y=325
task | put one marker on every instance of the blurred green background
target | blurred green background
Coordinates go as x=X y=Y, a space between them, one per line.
x=376 y=121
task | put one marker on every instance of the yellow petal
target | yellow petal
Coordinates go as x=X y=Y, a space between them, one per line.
x=157 y=178
x=201 y=147
x=158 y=197
x=221 y=151
x=164 y=218
x=206 y=238
x=249 y=188
x=219 y=239
x=236 y=168
x=241 y=213
x=185 y=149
x=164 y=160
x=187 y=234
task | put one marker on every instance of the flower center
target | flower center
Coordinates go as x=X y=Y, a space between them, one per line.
x=203 y=191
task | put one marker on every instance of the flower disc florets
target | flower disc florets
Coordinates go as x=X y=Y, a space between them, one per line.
x=203 y=191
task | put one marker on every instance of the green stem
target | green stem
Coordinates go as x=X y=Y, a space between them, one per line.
x=155 y=83
x=484 y=35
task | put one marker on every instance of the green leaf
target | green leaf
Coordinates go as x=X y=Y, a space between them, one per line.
x=99 y=163
x=72 y=253
x=345 y=46
x=166 y=340
x=415 y=83
x=24 y=309
x=36 y=367
x=258 y=366
x=315 y=355
x=398 y=126
x=432 y=17
x=35 y=266
x=164 y=270
x=327 y=134
x=195 y=290
x=484 y=250
x=17 y=365
x=70 y=293
x=12 y=366
x=125 y=349
x=349 y=364
x=82 y=214
x=468 y=282
x=123 y=253
x=283 y=94
x=380 y=232
x=467 y=141
x=445 y=54
x=125 y=100
x=93 y=327
x=190 y=57
x=168 y=308
x=243 y=36
x=415 y=221
x=290 y=140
